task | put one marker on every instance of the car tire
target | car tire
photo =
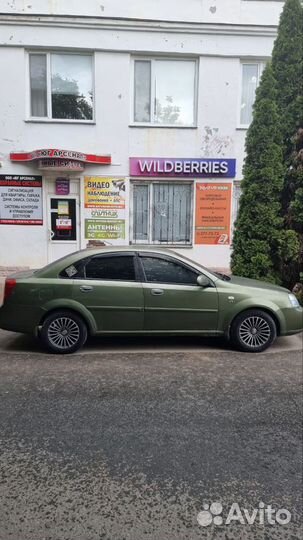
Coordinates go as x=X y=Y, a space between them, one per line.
x=63 y=332
x=253 y=331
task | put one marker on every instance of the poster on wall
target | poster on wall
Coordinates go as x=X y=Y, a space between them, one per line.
x=104 y=203
x=20 y=200
x=213 y=213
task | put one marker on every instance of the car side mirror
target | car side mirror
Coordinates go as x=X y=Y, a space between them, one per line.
x=203 y=281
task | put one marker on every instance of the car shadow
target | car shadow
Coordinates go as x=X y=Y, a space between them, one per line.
x=13 y=342
x=154 y=343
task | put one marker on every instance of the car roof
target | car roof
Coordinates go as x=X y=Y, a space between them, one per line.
x=52 y=269
x=112 y=249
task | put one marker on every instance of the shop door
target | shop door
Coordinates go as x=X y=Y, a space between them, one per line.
x=63 y=226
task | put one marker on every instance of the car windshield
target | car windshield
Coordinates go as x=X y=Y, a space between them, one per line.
x=215 y=274
x=219 y=275
x=225 y=277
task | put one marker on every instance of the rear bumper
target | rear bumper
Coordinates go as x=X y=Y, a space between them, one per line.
x=20 y=318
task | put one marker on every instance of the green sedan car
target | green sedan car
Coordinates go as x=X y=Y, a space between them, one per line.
x=126 y=291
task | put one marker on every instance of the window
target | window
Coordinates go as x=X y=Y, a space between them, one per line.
x=164 y=92
x=251 y=74
x=120 y=268
x=162 y=213
x=236 y=200
x=74 y=271
x=166 y=271
x=61 y=86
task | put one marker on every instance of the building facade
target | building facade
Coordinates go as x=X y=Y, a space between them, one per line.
x=125 y=122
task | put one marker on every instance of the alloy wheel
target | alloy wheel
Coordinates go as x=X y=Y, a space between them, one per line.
x=254 y=332
x=63 y=333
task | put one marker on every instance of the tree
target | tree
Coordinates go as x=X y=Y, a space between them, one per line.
x=168 y=113
x=293 y=272
x=259 y=238
x=287 y=64
x=67 y=102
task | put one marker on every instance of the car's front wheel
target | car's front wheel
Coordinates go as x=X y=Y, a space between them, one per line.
x=253 y=331
x=63 y=332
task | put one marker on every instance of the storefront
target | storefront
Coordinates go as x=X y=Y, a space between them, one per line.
x=42 y=214
x=184 y=203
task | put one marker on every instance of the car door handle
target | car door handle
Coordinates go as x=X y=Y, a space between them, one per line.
x=157 y=292
x=86 y=288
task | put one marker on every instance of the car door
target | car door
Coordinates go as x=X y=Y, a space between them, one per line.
x=173 y=301
x=112 y=292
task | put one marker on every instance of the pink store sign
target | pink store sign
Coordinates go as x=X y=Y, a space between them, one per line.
x=183 y=167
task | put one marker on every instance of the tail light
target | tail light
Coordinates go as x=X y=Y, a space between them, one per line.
x=10 y=284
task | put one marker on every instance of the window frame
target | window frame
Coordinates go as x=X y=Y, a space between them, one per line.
x=138 y=265
x=167 y=258
x=153 y=60
x=48 y=118
x=149 y=240
x=260 y=63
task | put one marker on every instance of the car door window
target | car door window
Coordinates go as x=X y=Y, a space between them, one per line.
x=161 y=270
x=111 y=268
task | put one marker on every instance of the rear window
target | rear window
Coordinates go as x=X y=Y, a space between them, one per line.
x=74 y=271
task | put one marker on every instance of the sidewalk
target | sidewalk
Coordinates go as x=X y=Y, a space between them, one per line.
x=7 y=270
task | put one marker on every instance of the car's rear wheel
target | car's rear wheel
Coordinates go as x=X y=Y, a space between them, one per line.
x=63 y=332
x=253 y=331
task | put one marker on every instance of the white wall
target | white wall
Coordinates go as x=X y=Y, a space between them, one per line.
x=218 y=47
x=210 y=11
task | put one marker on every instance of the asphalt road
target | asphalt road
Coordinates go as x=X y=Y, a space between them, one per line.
x=129 y=445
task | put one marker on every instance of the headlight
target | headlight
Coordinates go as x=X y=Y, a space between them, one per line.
x=293 y=300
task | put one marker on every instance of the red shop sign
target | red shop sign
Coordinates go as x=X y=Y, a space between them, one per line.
x=56 y=153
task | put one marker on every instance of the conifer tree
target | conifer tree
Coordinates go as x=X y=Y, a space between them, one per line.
x=287 y=64
x=258 y=235
x=278 y=254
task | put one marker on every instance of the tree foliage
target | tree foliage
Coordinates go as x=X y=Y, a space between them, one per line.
x=67 y=102
x=257 y=237
x=168 y=113
x=268 y=238
x=287 y=63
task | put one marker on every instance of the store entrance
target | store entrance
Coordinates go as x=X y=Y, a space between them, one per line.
x=63 y=226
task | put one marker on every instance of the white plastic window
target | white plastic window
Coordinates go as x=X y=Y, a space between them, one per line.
x=61 y=86
x=164 y=92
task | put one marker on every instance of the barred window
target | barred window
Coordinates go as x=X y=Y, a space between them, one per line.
x=162 y=213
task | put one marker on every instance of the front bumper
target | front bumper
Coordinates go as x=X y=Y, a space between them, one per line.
x=291 y=321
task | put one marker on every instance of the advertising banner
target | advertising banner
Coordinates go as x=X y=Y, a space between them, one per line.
x=182 y=167
x=104 y=203
x=20 y=200
x=213 y=213
x=110 y=229
x=62 y=186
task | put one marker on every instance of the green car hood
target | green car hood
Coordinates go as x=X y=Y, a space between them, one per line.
x=256 y=284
